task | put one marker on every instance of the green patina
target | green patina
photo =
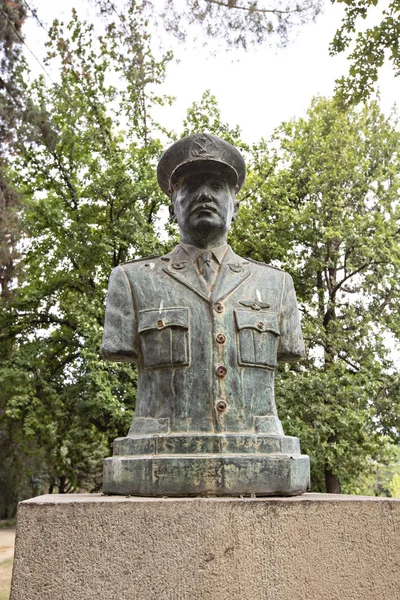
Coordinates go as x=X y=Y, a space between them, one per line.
x=206 y=345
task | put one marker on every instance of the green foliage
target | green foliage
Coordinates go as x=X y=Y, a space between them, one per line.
x=12 y=16
x=395 y=486
x=320 y=200
x=322 y=203
x=84 y=159
x=205 y=116
x=370 y=47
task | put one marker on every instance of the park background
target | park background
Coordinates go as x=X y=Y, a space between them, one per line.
x=89 y=98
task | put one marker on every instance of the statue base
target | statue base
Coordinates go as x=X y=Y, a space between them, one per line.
x=207 y=464
x=314 y=546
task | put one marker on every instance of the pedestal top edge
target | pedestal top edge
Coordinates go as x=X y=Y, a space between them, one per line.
x=54 y=499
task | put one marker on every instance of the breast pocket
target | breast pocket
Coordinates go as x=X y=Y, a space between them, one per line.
x=164 y=337
x=257 y=338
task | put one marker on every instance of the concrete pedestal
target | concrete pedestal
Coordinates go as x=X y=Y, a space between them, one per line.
x=310 y=547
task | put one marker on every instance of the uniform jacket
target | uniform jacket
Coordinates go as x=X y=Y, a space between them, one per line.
x=196 y=348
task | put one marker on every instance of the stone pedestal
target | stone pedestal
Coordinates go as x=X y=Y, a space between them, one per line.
x=226 y=464
x=310 y=547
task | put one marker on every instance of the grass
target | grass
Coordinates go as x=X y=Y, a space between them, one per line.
x=8 y=523
x=5 y=578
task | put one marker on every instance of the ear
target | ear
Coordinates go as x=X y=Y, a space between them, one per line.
x=172 y=215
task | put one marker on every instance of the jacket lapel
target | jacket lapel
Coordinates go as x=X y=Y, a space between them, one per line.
x=234 y=271
x=180 y=267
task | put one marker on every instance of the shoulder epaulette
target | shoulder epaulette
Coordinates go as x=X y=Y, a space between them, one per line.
x=128 y=262
x=257 y=262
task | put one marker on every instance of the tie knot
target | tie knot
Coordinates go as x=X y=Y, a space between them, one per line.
x=205 y=265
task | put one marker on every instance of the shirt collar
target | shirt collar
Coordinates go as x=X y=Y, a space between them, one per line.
x=194 y=252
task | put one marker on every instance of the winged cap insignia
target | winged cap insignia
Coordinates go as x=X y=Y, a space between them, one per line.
x=202 y=147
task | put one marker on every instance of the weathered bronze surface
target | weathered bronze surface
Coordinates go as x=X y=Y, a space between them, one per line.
x=207 y=329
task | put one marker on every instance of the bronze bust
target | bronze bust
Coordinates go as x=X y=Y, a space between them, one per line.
x=206 y=329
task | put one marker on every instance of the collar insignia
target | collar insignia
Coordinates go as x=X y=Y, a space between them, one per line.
x=235 y=267
x=179 y=265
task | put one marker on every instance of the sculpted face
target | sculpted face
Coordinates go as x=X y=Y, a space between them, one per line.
x=204 y=205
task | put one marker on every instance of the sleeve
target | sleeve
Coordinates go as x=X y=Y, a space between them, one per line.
x=291 y=344
x=119 y=338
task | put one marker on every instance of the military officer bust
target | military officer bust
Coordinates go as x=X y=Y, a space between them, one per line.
x=206 y=329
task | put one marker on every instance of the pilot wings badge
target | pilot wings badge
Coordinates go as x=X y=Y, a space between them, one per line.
x=254 y=304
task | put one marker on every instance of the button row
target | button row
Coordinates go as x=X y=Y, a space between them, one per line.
x=221 y=370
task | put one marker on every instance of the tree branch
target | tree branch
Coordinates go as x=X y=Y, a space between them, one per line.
x=340 y=283
x=66 y=179
x=251 y=9
x=346 y=360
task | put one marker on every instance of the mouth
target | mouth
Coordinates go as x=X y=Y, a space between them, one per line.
x=205 y=208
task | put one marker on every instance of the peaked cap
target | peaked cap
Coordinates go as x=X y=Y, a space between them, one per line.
x=196 y=148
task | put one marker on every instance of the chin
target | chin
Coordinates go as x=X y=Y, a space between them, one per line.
x=207 y=217
x=208 y=229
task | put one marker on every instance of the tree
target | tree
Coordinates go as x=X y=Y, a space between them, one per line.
x=369 y=48
x=84 y=160
x=240 y=23
x=321 y=200
x=248 y=23
x=12 y=17
x=324 y=205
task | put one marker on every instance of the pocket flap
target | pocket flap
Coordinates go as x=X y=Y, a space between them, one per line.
x=261 y=321
x=168 y=317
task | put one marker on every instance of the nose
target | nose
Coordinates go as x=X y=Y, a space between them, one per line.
x=204 y=193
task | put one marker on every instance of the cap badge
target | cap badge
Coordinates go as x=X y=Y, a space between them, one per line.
x=203 y=147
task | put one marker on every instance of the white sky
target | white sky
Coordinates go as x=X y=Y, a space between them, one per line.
x=258 y=89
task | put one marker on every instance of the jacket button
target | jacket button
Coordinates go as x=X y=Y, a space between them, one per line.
x=221 y=338
x=160 y=323
x=221 y=406
x=221 y=371
x=218 y=307
x=260 y=325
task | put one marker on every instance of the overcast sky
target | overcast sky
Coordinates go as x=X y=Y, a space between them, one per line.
x=258 y=89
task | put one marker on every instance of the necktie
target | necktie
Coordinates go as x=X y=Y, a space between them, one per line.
x=206 y=267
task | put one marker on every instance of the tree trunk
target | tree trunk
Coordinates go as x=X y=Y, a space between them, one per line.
x=62 y=484
x=332 y=483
